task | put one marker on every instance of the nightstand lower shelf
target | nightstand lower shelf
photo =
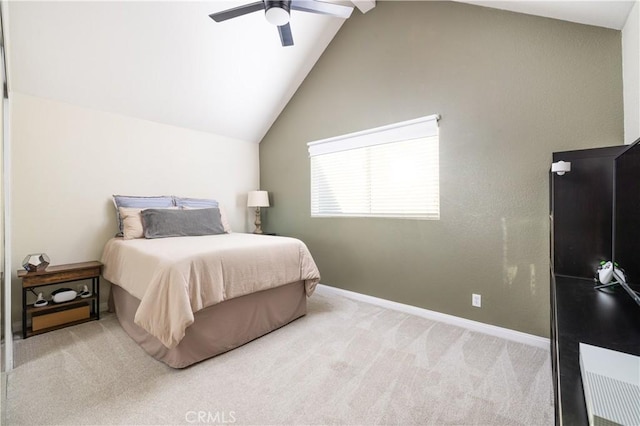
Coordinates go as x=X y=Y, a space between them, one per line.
x=32 y=310
x=30 y=331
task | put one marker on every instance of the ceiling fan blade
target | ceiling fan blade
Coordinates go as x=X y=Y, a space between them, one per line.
x=285 y=34
x=321 y=8
x=237 y=11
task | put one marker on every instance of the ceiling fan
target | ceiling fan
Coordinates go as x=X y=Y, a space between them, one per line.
x=277 y=13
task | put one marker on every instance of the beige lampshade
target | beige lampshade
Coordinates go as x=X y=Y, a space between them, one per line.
x=258 y=199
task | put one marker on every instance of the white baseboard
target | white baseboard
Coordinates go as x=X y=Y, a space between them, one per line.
x=505 y=333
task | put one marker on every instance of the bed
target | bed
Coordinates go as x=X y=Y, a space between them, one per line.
x=186 y=299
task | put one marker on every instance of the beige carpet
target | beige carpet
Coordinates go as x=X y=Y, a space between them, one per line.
x=346 y=362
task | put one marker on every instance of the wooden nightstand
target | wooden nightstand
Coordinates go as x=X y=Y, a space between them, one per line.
x=59 y=315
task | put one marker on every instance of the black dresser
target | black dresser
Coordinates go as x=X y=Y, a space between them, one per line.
x=581 y=222
x=582 y=314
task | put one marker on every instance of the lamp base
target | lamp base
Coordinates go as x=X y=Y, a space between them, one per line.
x=258 y=222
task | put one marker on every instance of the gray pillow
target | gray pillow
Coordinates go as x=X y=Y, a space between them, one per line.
x=161 y=223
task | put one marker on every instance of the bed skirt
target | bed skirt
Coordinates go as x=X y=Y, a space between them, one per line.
x=218 y=328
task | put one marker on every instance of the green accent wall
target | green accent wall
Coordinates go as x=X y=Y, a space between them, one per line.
x=511 y=89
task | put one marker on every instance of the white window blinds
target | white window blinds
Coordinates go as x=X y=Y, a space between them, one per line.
x=390 y=171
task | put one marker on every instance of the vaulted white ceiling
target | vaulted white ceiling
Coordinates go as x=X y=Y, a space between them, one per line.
x=167 y=61
x=164 y=61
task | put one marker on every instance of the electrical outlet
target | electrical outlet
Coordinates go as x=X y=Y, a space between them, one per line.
x=476 y=300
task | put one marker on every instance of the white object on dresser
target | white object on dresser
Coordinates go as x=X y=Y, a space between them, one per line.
x=611 y=382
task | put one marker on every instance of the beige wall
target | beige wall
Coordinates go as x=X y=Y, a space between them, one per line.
x=67 y=161
x=631 y=74
x=511 y=89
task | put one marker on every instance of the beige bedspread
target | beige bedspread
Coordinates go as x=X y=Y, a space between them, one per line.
x=175 y=277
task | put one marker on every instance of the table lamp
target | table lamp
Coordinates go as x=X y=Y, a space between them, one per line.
x=258 y=199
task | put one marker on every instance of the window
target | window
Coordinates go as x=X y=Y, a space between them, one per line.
x=390 y=171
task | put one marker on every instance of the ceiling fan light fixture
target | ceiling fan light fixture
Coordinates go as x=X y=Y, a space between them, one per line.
x=277 y=12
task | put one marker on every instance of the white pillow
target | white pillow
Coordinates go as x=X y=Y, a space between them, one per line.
x=131 y=223
x=224 y=221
